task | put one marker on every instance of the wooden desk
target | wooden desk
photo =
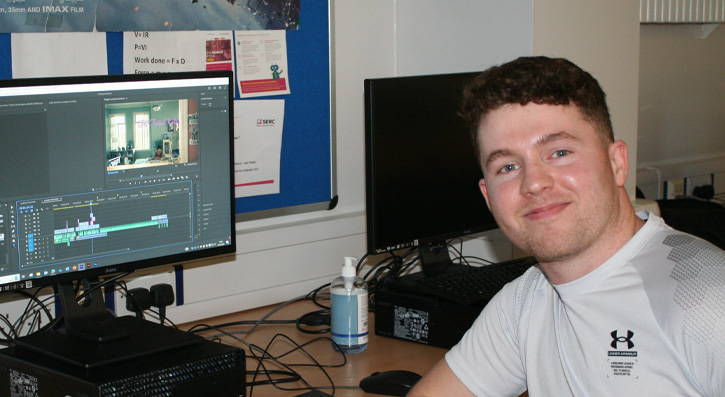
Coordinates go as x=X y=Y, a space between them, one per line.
x=382 y=353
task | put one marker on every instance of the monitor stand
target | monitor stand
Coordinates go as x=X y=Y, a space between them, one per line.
x=92 y=337
x=435 y=260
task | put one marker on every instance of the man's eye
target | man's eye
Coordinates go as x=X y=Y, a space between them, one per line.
x=560 y=153
x=508 y=168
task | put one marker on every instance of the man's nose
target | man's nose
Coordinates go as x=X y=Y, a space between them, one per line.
x=537 y=178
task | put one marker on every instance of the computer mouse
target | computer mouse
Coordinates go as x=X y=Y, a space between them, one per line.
x=390 y=383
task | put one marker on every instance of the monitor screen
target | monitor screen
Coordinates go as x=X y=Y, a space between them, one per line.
x=421 y=172
x=108 y=174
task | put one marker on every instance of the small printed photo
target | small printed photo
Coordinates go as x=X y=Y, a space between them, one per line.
x=219 y=50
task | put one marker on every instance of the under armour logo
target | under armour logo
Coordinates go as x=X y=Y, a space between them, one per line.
x=621 y=339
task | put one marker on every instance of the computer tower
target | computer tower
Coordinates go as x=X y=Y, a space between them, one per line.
x=402 y=311
x=200 y=369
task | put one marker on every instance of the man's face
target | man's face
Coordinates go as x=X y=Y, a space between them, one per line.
x=549 y=179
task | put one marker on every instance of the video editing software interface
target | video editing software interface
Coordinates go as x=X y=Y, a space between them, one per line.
x=102 y=173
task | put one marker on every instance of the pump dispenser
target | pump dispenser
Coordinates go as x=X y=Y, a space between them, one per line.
x=349 y=310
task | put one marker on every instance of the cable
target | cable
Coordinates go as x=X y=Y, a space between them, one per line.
x=33 y=298
x=465 y=259
x=261 y=355
x=292 y=377
x=260 y=321
x=96 y=285
x=8 y=337
x=301 y=349
x=30 y=310
x=253 y=349
x=360 y=262
x=382 y=270
x=312 y=295
x=92 y=287
x=314 y=319
x=205 y=327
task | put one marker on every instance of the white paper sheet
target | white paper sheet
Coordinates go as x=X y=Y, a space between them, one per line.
x=58 y=54
x=262 y=63
x=153 y=52
x=258 y=126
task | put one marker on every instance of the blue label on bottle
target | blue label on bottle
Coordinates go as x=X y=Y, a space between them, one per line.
x=349 y=321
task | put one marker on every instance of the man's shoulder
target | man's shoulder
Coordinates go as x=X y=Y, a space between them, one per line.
x=680 y=263
x=687 y=250
x=691 y=313
x=684 y=279
x=678 y=247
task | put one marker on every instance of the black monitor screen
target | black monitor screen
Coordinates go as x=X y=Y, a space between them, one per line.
x=421 y=172
x=113 y=173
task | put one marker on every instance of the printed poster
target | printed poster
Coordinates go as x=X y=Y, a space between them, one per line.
x=154 y=52
x=257 y=146
x=262 y=63
x=33 y=16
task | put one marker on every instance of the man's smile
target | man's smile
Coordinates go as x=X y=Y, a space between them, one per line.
x=546 y=211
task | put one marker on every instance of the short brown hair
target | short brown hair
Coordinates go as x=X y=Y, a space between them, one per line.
x=540 y=80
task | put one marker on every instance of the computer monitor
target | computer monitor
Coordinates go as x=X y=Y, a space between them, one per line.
x=84 y=193
x=421 y=172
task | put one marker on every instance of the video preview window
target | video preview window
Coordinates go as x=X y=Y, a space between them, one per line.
x=151 y=133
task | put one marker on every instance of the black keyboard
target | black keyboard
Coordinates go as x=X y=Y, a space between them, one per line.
x=476 y=284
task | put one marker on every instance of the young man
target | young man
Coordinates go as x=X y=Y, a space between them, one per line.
x=619 y=305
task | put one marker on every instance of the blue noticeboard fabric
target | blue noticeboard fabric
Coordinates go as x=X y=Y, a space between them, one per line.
x=306 y=168
x=6 y=64
x=306 y=162
x=114 y=50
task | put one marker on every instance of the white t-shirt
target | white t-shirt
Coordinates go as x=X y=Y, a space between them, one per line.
x=650 y=321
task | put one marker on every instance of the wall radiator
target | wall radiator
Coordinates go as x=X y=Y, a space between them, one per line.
x=682 y=11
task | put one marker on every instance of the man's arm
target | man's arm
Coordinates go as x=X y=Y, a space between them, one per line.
x=440 y=381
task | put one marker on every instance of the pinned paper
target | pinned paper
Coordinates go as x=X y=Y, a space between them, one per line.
x=262 y=63
x=154 y=52
x=58 y=54
x=258 y=146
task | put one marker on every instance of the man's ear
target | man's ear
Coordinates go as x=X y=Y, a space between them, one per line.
x=619 y=162
x=484 y=190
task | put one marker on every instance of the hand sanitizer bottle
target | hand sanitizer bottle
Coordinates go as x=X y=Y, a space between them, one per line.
x=349 y=310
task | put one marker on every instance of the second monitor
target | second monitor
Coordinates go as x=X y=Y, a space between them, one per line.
x=421 y=171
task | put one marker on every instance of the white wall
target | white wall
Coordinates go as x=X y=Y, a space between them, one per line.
x=681 y=105
x=436 y=36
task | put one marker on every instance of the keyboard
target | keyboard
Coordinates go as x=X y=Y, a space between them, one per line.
x=475 y=285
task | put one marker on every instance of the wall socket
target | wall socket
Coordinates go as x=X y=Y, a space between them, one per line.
x=680 y=187
x=674 y=188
